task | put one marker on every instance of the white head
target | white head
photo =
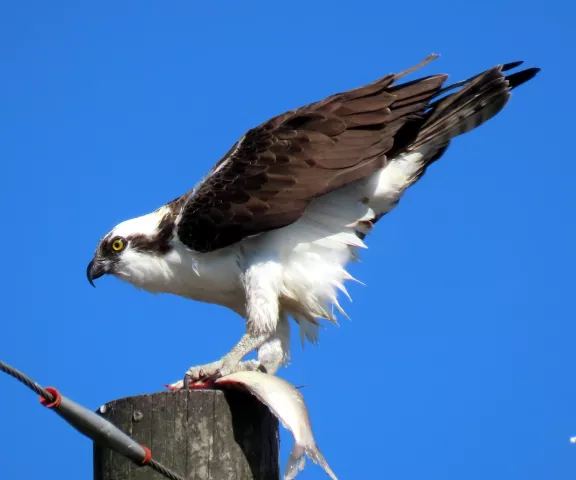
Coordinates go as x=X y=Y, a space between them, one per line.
x=134 y=250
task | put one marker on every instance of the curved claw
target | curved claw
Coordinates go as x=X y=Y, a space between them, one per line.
x=203 y=380
x=212 y=378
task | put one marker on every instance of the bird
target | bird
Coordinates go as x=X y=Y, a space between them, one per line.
x=269 y=231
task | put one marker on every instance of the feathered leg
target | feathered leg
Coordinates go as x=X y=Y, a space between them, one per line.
x=276 y=351
x=262 y=283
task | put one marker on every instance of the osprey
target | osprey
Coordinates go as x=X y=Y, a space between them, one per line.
x=269 y=231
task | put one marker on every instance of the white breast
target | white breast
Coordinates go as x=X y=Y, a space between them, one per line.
x=213 y=277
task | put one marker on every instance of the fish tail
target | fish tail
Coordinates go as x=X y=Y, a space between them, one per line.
x=316 y=456
x=296 y=462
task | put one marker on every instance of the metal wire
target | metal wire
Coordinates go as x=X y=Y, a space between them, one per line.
x=18 y=375
x=161 y=469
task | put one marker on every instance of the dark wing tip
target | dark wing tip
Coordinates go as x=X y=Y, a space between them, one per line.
x=511 y=65
x=521 y=77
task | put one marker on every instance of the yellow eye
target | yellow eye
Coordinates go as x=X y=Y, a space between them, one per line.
x=118 y=245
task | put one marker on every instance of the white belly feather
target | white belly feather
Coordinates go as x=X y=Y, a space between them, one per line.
x=315 y=250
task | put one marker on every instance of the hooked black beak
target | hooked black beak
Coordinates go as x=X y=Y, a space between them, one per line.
x=96 y=269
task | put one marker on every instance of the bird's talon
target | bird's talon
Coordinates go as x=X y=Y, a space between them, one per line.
x=212 y=378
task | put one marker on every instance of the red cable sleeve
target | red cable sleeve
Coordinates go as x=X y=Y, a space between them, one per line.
x=147 y=455
x=57 y=398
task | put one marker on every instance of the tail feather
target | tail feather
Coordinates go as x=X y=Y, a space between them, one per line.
x=480 y=98
x=454 y=110
x=518 y=78
x=505 y=68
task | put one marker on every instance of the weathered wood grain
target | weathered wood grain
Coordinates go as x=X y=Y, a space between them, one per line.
x=199 y=434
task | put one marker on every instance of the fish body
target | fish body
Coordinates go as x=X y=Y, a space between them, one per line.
x=287 y=404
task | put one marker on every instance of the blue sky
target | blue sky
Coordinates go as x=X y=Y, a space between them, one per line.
x=459 y=359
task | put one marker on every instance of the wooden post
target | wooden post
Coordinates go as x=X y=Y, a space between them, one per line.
x=198 y=434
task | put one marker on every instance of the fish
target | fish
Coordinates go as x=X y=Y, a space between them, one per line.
x=287 y=404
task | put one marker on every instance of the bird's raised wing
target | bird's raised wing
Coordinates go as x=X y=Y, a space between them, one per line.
x=271 y=174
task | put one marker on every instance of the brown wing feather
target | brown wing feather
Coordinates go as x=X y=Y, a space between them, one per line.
x=269 y=177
